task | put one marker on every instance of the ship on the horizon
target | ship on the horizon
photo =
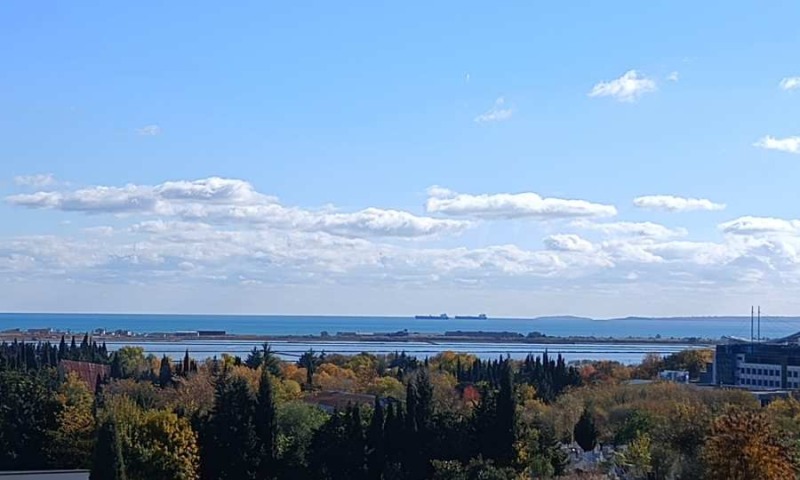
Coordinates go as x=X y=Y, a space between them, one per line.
x=482 y=316
x=442 y=316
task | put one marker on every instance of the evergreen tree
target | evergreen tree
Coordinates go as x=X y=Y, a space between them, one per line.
x=266 y=425
x=231 y=443
x=585 y=431
x=62 y=348
x=505 y=419
x=108 y=463
x=376 y=453
x=186 y=365
x=254 y=358
x=116 y=366
x=165 y=372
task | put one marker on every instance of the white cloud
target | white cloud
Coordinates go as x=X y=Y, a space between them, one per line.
x=389 y=223
x=512 y=205
x=224 y=201
x=673 y=77
x=497 y=113
x=149 y=131
x=788 y=144
x=790 y=83
x=224 y=232
x=38 y=181
x=672 y=203
x=627 y=88
x=567 y=243
x=749 y=225
x=632 y=229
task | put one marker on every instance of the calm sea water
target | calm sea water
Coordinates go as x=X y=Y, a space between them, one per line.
x=200 y=349
x=712 y=327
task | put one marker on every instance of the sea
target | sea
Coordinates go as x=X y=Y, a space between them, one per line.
x=630 y=327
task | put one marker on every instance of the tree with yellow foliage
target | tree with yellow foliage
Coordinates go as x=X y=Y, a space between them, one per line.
x=73 y=440
x=743 y=445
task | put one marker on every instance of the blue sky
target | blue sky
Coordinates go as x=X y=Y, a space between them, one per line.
x=279 y=157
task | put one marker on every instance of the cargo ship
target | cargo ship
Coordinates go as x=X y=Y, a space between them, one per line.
x=482 y=316
x=442 y=316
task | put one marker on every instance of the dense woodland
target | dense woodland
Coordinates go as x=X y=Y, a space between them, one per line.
x=448 y=417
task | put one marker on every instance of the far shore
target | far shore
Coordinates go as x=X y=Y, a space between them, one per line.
x=395 y=337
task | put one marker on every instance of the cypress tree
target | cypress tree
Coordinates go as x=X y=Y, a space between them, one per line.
x=186 y=364
x=116 y=366
x=165 y=372
x=108 y=463
x=585 y=431
x=505 y=418
x=232 y=441
x=266 y=424
x=62 y=348
x=376 y=453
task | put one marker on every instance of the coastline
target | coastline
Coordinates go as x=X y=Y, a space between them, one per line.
x=397 y=337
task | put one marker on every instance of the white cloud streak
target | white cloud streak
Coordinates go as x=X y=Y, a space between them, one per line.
x=36 y=181
x=498 y=113
x=790 y=83
x=225 y=201
x=631 y=229
x=672 y=203
x=512 y=205
x=788 y=144
x=749 y=225
x=567 y=243
x=149 y=131
x=627 y=88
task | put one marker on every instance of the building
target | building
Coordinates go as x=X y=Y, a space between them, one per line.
x=88 y=372
x=680 y=376
x=211 y=333
x=757 y=366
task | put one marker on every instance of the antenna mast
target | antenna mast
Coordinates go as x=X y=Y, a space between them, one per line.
x=759 y=323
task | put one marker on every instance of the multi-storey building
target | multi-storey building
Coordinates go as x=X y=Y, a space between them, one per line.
x=757 y=366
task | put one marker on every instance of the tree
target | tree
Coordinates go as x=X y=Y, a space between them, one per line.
x=72 y=442
x=28 y=412
x=108 y=463
x=309 y=361
x=637 y=458
x=116 y=366
x=743 y=445
x=376 y=453
x=585 y=431
x=338 y=450
x=266 y=424
x=506 y=419
x=231 y=445
x=162 y=446
x=165 y=372
x=186 y=366
x=297 y=423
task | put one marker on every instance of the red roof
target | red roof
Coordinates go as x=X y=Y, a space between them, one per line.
x=88 y=372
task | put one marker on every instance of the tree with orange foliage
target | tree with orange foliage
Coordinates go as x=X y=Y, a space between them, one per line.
x=743 y=445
